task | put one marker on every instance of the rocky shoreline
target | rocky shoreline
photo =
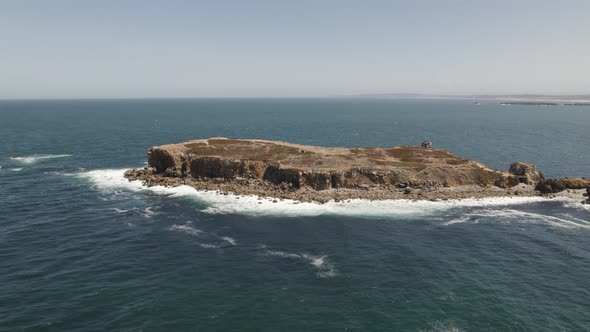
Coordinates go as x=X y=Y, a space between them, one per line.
x=280 y=170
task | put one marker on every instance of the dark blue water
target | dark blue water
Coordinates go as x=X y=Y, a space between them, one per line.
x=81 y=249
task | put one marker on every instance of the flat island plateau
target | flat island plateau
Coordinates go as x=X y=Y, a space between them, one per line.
x=280 y=170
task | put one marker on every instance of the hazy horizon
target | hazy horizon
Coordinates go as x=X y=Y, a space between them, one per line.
x=524 y=96
x=178 y=49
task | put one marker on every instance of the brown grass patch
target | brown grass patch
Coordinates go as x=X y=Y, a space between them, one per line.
x=456 y=161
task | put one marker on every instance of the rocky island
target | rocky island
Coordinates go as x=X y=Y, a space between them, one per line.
x=308 y=173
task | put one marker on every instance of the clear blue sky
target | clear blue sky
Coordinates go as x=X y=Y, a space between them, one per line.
x=215 y=48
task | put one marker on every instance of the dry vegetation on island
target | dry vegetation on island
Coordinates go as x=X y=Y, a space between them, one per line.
x=311 y=173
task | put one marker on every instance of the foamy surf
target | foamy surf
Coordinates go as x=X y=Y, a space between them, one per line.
x=577 y=205
x=113 y=180
x=38 y=157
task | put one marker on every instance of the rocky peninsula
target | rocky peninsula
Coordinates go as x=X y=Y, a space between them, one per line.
x=309 y=173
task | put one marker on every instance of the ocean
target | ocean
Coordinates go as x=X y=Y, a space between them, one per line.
x=82 y=249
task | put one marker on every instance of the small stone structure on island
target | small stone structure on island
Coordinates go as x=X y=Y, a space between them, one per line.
x=526 y=173
x=427 y=144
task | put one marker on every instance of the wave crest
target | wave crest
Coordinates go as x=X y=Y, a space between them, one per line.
x=38 y=157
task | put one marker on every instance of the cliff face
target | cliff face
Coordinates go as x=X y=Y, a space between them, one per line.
x=316 y=168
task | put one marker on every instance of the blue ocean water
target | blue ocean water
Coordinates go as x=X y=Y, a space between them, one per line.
x=82 y=249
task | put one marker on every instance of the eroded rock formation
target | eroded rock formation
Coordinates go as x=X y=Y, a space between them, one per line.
x=526 y=173
x=320 y=168
x=314 y=173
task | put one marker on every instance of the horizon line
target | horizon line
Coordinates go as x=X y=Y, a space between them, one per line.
x=393 y=95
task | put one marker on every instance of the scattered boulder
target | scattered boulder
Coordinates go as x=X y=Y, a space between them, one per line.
x=526 y=173
x=427 y=144
x=403 y=184
x=507 y=182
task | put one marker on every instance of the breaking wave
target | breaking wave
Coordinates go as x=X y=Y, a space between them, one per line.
x=38 y=157
x=577 y=205
x=113 y=180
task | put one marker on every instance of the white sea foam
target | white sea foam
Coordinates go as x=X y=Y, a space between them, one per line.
x=510 y=215
x=38 y=157
x=459 y=220
x=444 y=326
x=251 y=205
x=18 y=169
x=186 y=229
x=219 y=204
x=325 y=268
x=282 y=254
x=229 y=240
x=577 y=205
x=209 y=246
x=148 y=212
x=113 y=180
x=586 y=222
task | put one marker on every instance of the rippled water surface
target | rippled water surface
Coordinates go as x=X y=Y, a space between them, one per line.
x=82 y=249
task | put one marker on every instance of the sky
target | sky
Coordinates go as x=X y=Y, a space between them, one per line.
x=218 y=48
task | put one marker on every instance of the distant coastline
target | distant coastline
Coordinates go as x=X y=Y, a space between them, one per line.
x=566 y=100
x=515 y=99
x=542 y=103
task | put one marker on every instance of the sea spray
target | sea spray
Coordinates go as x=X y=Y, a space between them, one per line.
x=216 y=203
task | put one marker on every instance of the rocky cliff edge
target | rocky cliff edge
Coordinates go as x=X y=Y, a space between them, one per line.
x=286 y=170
